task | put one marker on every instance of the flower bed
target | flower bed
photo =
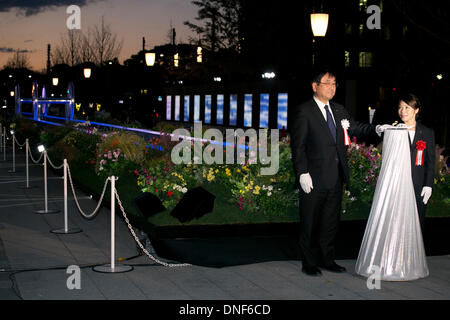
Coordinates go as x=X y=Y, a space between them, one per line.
x=243 y=195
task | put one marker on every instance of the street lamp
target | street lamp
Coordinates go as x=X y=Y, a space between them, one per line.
x=150 y=59
x=11 y=93
x=199 y=55
x=319 y=24
x=87 y=72
x=55 y=81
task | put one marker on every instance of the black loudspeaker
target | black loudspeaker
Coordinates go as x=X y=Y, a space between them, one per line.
x=195 y=203
x=148 y=204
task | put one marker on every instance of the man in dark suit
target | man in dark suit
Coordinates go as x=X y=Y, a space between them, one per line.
x=319 y=157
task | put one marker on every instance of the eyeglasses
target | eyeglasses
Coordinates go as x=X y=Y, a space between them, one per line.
x=329 y=84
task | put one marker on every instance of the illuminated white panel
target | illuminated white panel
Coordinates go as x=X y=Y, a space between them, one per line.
x=248 y=110
x=177 y=108
x=168 y=107
x=197 y=108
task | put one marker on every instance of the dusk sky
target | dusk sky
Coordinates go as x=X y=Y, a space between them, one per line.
x=32 y=24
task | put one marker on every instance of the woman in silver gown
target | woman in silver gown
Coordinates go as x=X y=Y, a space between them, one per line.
x=392 y=244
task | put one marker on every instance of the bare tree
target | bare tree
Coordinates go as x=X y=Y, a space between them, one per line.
x=97 y=45
x=104 y=44
x=18 y=61
x=68 y=51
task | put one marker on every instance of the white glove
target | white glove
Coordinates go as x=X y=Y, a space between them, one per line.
x=426 y=194
x=306 y=182
x=381 y=128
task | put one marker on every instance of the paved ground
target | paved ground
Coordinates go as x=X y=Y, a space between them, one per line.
x=34 y=261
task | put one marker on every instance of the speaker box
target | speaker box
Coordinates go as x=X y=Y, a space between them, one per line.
x=195 y=203
x=148 y=204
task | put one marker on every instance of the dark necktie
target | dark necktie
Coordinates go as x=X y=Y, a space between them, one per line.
x=330 y=123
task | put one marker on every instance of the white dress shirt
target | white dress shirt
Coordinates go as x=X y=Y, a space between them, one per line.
x=322 y=109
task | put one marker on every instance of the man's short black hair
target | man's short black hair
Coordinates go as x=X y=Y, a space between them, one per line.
x=319 y=73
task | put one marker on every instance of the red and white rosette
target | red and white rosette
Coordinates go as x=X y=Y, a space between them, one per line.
x=420 y=146
x=345 y=125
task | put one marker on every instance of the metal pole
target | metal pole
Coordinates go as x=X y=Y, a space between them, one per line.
x=66 y=229
x=113 y=222
x=45 y=189
x=45 y=181
x=112 y=268
x=4 y=143
x=27 y=148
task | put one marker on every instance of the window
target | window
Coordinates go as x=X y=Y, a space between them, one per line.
x=347 y=58
x=365 y=59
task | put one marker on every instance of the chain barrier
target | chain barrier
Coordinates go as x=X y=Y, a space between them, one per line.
x=93 y=214
x=139 y=242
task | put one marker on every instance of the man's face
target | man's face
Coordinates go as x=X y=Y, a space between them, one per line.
x=326 y=89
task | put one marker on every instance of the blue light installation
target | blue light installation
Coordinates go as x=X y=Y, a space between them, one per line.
x=208 y=108
x=264 y=110
x=233 y=109
x=248 y=110
x=282 y=110
x=220 y=109
x=186 y=108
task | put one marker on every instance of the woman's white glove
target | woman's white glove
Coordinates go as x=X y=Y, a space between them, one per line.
x=306 y=182
x=426 y=194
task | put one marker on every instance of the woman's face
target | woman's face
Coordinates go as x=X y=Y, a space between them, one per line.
x=407 y=113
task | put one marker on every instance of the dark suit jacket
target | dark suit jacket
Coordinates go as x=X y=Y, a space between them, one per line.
x=423 y=175
x=313 y=147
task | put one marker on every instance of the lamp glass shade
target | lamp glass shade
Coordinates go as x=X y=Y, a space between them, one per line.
x=87 y=72
x=55 y=81
x=319 y=24
x=150 y=58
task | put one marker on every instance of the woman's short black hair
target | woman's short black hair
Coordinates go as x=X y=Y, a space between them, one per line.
x=411 y=100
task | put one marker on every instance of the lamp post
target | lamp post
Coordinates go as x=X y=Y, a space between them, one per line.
x=150 y=59
x=319 y=26
x=87 y=73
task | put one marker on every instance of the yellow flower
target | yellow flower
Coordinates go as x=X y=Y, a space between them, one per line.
x=238 y=170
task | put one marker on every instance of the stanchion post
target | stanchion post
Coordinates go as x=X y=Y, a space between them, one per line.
x=4 y=143
x=112 y=267
x=45 y=189
x=27 y=149
x=13 y=152
x=66 y=229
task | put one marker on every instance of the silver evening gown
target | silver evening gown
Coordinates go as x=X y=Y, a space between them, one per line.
x=392 y=242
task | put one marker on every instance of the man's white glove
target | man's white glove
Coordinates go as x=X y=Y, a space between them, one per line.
x=426 y=194
x=381 y=128
x=306 y=182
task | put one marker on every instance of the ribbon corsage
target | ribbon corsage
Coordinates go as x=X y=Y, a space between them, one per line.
x=420 y=146
x=345 y=125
